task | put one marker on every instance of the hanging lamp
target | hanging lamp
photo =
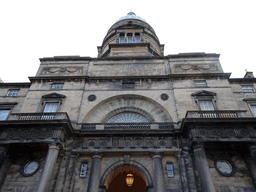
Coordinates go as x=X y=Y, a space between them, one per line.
x=129 y=179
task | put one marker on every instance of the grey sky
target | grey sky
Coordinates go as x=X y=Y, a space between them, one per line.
x=34 y=29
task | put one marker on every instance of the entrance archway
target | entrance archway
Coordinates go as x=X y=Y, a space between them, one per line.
x=117 y=169
x=116 y=181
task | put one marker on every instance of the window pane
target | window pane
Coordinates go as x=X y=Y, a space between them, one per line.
x=206 y=105
x=13 y=92
x=248 y=88
x=129 y=38
x=51 y=107
x=200 y=83
x=121 y=39
x=137 y=38
x=4 y=114
x=169 y=167
x=128 y=118
x=253 y=107
x=57 y=86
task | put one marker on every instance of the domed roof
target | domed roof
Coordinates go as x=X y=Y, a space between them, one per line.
x=130 y=15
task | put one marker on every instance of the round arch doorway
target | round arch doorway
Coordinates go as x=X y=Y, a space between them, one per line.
x=116 y=181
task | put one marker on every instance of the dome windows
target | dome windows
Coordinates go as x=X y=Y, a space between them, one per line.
x=129 y=38
x=121 y=38
x=137 y=38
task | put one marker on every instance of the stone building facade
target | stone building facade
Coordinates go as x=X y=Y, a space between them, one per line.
x=174 y=123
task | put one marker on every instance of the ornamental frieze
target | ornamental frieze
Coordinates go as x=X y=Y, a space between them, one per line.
x=123 y=142
x=14 y=135
x=63 y=70
x=195 y=67
x=222 y=133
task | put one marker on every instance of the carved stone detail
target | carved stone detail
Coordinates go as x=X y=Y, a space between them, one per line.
x=222 y=132
x=195 y=67
x=58 y=70
x=128 y=142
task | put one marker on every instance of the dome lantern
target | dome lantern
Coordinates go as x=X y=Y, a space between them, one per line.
x=131 y=36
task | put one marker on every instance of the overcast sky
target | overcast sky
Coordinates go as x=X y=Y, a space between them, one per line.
x=32 y=29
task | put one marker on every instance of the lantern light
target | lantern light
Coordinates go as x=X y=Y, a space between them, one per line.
x=129 y=179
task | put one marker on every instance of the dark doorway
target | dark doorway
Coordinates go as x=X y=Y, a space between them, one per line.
x=119 y=184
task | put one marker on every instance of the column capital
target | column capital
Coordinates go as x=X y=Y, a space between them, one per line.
x=3 y=148
x=156 y=155
x=252 y=146
x=54 y=146
x=96 y=155
x=198 y=145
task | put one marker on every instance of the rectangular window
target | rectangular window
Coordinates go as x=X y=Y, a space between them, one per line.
x=121 y=39
x=248 y=88
x=83 y=170
x=137 y=38
x=51 y=107
x=13 y=92
x=253 y=108
x=57 y=86
x=169 y=168
x=129 y=38
x=200 y=83
x=206 y=105
x=4 y=114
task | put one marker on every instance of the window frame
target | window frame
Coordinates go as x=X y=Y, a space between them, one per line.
x=129 y=35
x=205 y=96
x=123 y=36
x=198 y=85
x=251 y=102
x=57 y=83
x=7 y=106
x=83 y=169
x=10 y=90
x=137 y=35
x=249 y=85
x=228 y=161
x=170 y=170
x=52 y=98
x=46 y=103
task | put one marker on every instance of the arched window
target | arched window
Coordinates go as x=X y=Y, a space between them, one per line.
x=129 y=38
x=121 y=38
x=137 y=38
x=128 y=118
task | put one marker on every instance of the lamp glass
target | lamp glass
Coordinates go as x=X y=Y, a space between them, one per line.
x=129 y=179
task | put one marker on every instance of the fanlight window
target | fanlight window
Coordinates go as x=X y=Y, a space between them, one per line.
x=128 y=118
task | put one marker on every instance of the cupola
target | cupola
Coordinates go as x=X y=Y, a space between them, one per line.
x=131 y=36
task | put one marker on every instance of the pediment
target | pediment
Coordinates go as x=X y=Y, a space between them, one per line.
x=204 y=93
x=54 y=95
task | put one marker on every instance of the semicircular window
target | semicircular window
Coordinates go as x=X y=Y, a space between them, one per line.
x=128 y=118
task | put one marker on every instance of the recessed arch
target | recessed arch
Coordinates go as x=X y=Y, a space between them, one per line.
x=119 y=167
x=146 y=107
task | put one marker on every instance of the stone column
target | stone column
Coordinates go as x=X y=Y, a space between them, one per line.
x=252 y=149
x=203 y=168
x=251 y=167
x=183 y=175
x=70 y=174
x=158 y=175
x=3 y=150
x=49 y=165
x=94 y=180
x=5 y=163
